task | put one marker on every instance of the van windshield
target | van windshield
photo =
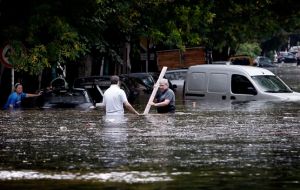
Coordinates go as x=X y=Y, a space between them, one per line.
x=270 y=83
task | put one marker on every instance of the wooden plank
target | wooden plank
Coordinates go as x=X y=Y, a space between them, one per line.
x=155 y=88
x=99 y=89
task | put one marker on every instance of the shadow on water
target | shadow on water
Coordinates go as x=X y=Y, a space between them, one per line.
x=205 y=145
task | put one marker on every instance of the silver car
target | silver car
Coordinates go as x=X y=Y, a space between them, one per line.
x=176 y=77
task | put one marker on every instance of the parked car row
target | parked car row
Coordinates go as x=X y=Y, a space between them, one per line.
x=132 y=84
x=259 y=61
x=87 y=91
x=262 y=61
x=286 y=57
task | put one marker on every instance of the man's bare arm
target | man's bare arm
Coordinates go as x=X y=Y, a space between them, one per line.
x=130 y=108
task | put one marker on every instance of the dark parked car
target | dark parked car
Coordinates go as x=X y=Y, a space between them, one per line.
x=155 y=77
x=147 y=81
x=262 y=61
x=286 y=57
x=96 y=86
x=74 y=98
x=60 y=96
x=144 y=79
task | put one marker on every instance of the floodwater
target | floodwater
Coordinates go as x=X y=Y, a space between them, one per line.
x=221 y=145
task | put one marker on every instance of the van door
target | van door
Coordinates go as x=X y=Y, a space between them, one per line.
x=218 y=86
x=242 y=88
x=195 y=85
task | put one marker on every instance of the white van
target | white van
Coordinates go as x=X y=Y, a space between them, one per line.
x=235 y=82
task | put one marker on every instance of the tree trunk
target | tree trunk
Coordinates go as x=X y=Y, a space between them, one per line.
x=85 y=68
x=102 y=66
x=126 y=56
x=40 y=80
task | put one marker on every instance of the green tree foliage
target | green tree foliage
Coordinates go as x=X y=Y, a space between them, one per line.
x=42 y=39
x=238 y=22
x=36 y=53
x=43 y=33
x=178 y=24
x=251 y=49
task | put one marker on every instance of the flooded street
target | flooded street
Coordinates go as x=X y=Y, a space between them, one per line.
x=205 y=145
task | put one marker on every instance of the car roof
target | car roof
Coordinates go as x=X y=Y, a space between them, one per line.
x=262 y=57
x=294 y=49
x=176 y=70
x=285 y=52
x=222 y=62
x=250 y=70
x=139 y=74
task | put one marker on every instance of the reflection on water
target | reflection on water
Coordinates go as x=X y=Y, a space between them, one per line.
x=128 y=177
x=241 y=145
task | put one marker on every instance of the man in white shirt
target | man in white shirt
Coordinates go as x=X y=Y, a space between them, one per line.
x=114 y=99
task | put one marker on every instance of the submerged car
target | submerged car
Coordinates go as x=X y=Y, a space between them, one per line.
x=147 y=80
x=286 y=57
x=144 y=79
x=59 y=95
x=73 y=98
x=176 y=77
x=97 y=85
x=155 y=77
x=262 y=61
x=233 y=82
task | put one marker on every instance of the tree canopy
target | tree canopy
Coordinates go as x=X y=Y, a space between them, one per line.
x=45 y=32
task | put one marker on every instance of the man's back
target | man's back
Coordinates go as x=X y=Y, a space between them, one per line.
x=113 y=99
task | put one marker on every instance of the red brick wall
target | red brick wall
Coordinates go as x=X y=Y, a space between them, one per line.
x=174 y=59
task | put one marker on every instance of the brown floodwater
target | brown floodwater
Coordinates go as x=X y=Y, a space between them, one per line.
x=204 y=145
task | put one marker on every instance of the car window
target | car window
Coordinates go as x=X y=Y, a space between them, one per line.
x=68 y=98
x=241 y=85
x=179 y=75
x=170 y=76
x=148 y=81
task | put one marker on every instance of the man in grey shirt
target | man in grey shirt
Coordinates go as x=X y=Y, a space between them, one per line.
x=165 y=98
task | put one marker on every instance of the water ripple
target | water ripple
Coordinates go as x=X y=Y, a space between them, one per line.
x=128 y=177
